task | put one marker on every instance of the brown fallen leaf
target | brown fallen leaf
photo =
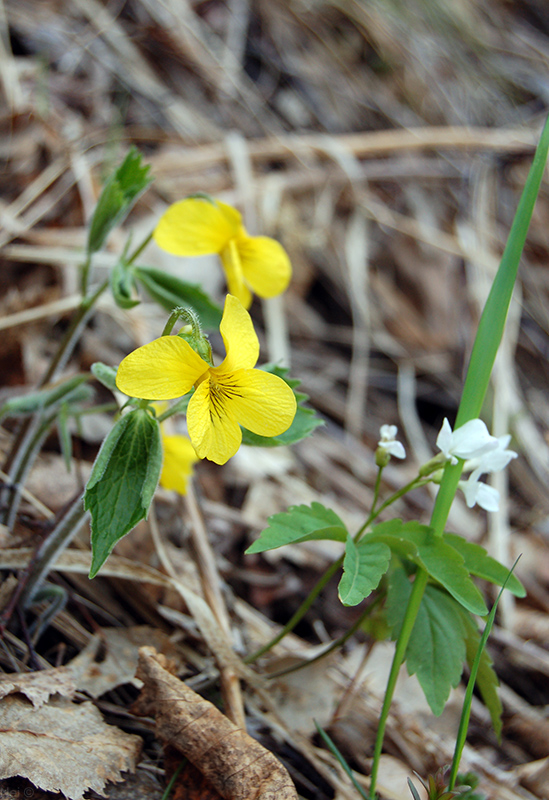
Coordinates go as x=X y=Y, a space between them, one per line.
x=118 y=657
x=237 y=766
x=39 y=686
x=63 y=747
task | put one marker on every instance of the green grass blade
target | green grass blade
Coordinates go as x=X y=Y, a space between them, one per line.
x=332 y=747
x=492 y=321
x=491 y=326
x=468 y=699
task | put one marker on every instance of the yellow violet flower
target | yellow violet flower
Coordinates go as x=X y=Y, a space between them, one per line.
x=225 y=397
x=198 y=226
x=177 y=466
x=178 y=456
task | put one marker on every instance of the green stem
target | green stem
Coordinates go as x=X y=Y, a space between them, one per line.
x=414 y=484
x=72 y=333
x=335 y=645
x=412 y=610
x=137 y=252
x=19 y=452
x=36 y=432
x=377 y=487
x=85 y=277
x=330 y=572
x=56 y=541
x=485 y=347
x=102 y=408
x=441 y=509
x=178 y=408
x=300 y=613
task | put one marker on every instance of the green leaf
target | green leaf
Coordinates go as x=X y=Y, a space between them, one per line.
x=105 y=375
x=118 y=196
x=71 y=390
x=391 y=534
x=436 y=650
x=300 y=524
x=486 y=679
x=170 y=292
x=305 y=420
x=123 y=286
x=364 y=565
x=446 y=565
x=418 y=543
x=480 y=564
x=123 y=481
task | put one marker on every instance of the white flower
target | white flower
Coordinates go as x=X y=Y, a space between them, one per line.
x=479 y=493
x=469 y=441
x=494 y=460
x=388 y=442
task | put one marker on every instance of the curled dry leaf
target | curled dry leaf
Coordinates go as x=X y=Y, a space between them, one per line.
x=237 y=766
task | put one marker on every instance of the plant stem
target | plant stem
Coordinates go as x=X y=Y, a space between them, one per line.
x=414 y=484
x=408 y=622
x=300 y=613
x=56 y=541
x=331 y=647
x=72 y=333
x=22 y=449
x=85 y=276
x=485 y=347
x=35 y=433
x=139 y=249
x=330 y=572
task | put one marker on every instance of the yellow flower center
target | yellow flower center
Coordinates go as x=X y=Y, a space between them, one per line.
x=219 y=394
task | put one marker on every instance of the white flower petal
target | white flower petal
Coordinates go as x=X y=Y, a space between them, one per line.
x=388 y=442
x=487 y=497
x=469 y=441
x=396 y=449
x=494 y=460
x=472 y=439
x=444 y=439
x=477 y=493
x=388 y=433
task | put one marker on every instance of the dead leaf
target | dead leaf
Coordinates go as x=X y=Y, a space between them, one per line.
x=237 y=766
x=119 y=657
x=39 y=686
x=63 y=747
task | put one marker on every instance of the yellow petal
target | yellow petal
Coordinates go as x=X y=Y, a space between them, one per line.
x=265 y=265
x=177 y=466
x=214 y=432
x=230 y=258
x=239 y=336
x=161 y=370
x=261 y=402
x=196 y=227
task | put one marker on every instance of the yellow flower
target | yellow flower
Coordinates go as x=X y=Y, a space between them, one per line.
x=177 y=466
x=178 y=456
x=225 y=397
x=198 y=227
